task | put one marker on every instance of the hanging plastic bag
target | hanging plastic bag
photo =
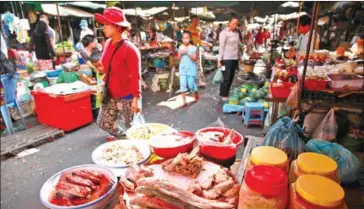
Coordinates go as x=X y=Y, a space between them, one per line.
x=285 y=135
x=348 y=164
x=292 y=99
x=328 y=127
x=138 y=119
x=218 y=77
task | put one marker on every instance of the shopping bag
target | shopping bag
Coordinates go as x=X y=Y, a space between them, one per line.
x=328 y=127
x=285 y=134
x=348 y=164
x=292 y=99
x=218 y=77
x=138 y=119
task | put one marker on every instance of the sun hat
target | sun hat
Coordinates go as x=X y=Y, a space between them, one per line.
x=83 y=23
x=113 y=15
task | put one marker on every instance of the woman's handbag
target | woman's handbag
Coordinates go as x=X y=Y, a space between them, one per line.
x=106 y=96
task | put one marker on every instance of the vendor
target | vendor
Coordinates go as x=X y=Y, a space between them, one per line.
x=41 y=43
x=304 y=29
x=89 y=43
x=85 y=30
x=121 y=61
x=51 y=32
x=153 y=38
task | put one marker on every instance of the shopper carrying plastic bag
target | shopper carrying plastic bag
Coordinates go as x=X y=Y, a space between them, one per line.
x=285 y=135
x=348 y=164
x=328 y=127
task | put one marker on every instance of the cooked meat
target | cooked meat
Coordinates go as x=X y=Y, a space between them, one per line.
x=208 y=183
x=234 y=200
x=177 y=192
x=91 y=175
x=147 y=171
x=153 y=202
x=184 y=164
x=72 y=190
x=80 y=181
x=210 y=194
x=232 y=191
x=222 y=187
x=195 y=187
x=169 y=199
x=221 y=176
x=127 y=185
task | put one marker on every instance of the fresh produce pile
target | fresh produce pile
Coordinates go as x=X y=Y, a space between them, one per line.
x=249 y=93
x=67 y=47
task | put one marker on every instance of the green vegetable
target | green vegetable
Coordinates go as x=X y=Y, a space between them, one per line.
x=233 y=100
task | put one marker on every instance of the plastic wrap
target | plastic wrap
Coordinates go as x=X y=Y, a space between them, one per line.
x=284 y=134
x=327 y=129
x=348 y=164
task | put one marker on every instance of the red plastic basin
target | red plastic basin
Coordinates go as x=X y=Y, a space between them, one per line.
x=171 y=152
x=219 y=152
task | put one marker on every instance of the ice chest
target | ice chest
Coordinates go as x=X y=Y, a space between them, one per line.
x=66 y=112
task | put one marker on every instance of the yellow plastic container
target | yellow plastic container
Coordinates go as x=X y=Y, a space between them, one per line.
x=316 y=192
x=313 y=163
x=266 y=155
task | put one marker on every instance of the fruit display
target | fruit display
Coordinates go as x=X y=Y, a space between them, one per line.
x=67 y=47
x=248 y=93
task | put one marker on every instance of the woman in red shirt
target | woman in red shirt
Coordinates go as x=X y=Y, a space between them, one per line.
x=124 y=71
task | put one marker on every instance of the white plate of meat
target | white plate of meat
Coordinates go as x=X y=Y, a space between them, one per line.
x=121 y=153
x=84 y=186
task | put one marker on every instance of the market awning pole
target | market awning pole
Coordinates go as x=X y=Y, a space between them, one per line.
x=315 y=7
x=299 y=16
x=316 y=26
x=271 y=47
x=60 y=29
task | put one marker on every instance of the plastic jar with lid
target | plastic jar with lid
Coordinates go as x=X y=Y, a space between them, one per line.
x=266 y=155
x=264 y=187
x=313 y=163
x=316 y=192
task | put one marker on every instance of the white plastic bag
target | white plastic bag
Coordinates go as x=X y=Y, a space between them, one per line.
x=328 y=127
x=138 y=119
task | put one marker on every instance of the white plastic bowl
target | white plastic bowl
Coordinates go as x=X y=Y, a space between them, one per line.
x=141 y=145
x=49 y=186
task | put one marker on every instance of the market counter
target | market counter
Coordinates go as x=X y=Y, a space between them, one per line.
x=66 y=112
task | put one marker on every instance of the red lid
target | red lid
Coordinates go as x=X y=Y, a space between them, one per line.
x=266 y=180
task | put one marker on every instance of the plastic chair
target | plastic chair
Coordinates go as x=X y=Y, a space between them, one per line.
x=9 y=85
x=253 y=114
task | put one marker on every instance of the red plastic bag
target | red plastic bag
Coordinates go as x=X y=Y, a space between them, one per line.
x=327 y=129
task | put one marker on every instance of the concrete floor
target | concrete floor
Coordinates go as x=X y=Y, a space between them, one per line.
x=21 y=179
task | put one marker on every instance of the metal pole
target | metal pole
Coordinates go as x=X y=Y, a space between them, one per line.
x=315 y=7
x=21 y=9
x=60 y=29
